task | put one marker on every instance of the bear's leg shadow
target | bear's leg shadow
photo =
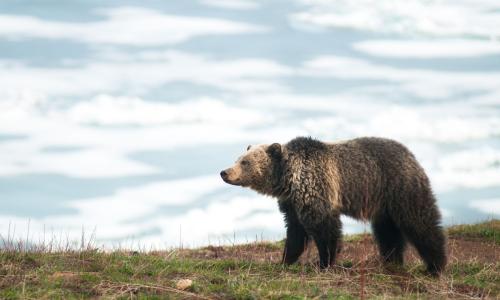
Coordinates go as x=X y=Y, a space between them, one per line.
x=424 y=231
x=296 y=238
x=327 y=236
x=389 y=238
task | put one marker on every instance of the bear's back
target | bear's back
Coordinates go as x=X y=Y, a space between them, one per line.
x=393 y=159
x=389 y=155
x=372 y=169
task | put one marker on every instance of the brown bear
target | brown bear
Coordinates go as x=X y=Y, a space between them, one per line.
x=370 y=179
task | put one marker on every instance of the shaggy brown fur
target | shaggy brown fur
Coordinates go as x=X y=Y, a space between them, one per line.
x=370 y=179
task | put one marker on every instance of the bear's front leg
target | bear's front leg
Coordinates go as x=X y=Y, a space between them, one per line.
x=296 y=238
x=327 y=234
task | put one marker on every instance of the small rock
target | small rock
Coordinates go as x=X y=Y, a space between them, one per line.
x=184 y=284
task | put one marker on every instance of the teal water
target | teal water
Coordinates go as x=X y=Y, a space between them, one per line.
x=117 y=116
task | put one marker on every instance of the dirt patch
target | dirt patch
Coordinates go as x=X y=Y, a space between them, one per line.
x=471 y=291
x=466 y=249
x=353 y=251
x=251 y=252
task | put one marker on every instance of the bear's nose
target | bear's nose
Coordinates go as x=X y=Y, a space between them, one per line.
x=223 y=174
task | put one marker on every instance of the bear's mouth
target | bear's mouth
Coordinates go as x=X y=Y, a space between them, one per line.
x=233 y=182
x=226 y=179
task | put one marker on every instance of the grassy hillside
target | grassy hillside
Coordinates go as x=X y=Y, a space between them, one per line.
x=253 y=271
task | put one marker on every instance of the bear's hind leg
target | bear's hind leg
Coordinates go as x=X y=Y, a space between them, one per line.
x=389 y=238
x=430 y=245
x=428 y=238
x=327 y=238
x=296 y=239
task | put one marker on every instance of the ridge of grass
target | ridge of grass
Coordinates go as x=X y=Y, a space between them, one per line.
x=250 y=271
x=485 y=231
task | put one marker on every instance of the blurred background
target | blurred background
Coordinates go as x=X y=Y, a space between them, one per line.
x=117 y=116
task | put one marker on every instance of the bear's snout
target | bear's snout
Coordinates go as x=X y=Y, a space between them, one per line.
x=228 y=175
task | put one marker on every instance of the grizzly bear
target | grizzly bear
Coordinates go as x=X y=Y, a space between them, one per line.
x=370 y=179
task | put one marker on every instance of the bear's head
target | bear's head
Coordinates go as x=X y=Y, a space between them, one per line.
x=256 y=168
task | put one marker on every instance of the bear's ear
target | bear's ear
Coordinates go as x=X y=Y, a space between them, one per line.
x=249 y=146
x=274 y=150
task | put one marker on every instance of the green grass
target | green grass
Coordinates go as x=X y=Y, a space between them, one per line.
x=153 y=275
x=76 y=275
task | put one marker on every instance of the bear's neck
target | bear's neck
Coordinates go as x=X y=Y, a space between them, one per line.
x=283 y=177
x=277 y=183
x=273 y=183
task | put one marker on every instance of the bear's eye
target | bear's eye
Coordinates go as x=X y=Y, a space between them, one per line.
x=245 y=162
